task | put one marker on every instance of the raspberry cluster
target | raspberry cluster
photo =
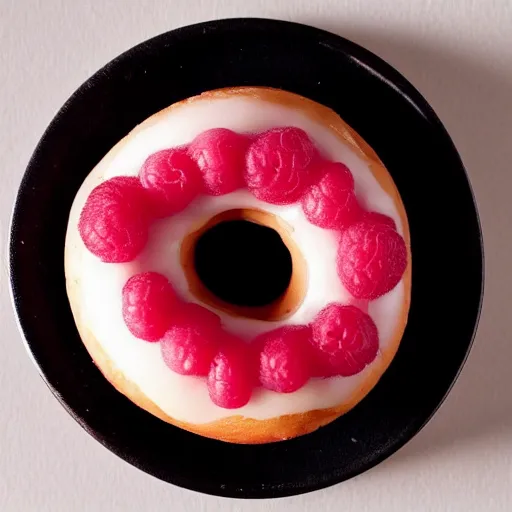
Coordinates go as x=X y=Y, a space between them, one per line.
x=280 y=166
x=341 y=340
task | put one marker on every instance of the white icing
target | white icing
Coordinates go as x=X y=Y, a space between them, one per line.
x=186 y=398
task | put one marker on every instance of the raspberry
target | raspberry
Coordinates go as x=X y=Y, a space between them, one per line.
x=114 y=221
x=372 y=258
x=331 y=203
x=190 y=343
x=279 y=164
x=172 y=180
x=220 y=154
x=346 y=340
x=231 y=377
x=283 y=358
x=148 y=301
x=379 y=218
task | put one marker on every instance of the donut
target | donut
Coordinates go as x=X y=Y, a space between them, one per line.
x=239 y=265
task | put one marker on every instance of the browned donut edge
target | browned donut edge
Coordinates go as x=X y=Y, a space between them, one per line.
x=236 y=428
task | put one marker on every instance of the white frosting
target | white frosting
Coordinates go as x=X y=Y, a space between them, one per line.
x=186 y=398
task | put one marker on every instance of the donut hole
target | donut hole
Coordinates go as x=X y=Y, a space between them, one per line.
x=245 y=263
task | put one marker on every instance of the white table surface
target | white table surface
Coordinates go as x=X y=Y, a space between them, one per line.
x=459 y=55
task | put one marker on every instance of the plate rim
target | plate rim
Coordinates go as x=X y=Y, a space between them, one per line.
x=349 y=47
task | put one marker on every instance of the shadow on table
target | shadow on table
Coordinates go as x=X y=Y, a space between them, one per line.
x=474 y=101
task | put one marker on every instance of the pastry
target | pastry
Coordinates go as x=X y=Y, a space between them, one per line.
x=177 y=345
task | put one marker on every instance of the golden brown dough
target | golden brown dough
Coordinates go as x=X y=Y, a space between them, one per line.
x=236 y=428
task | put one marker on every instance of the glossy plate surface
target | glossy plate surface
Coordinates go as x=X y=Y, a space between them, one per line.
x=390 y=115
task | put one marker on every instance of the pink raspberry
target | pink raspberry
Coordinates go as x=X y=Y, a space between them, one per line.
x=284 y=358
x=148 y=304
x=372 y=258
x=379 y=218
x=331 y=202
x=220 y=155
x=114 y=221
x=346 y=340
x=232 y=374
x=279 y=165
x=172 y=180
x=190 y=343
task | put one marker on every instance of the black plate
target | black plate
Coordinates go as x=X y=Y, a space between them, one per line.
x=396 y=121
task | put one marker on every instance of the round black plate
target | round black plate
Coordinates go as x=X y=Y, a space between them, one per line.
x=393 y=118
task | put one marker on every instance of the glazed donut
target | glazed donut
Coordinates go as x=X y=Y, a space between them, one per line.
x=240 y=371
